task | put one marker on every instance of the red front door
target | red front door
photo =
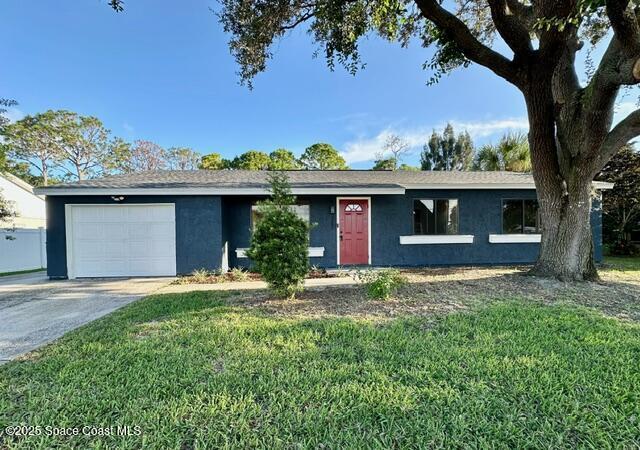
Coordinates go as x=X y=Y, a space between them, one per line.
x=353 y=230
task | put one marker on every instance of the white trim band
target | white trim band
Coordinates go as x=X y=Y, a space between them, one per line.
x=437 y=239
x=314 y=252
x=515 y=238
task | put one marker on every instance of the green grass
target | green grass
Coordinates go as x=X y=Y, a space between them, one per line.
x=626 y=263
x=20 y=272
x=193 y=372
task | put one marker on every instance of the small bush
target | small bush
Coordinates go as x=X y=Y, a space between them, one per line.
x=237 y=274
x=202 y=275
x=280 y=242
x=381 y=284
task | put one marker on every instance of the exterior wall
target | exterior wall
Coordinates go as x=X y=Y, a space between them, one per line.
x=480 y=214
x=30 y=207
x=206 y=225
x=198 y=230
x=238 y=221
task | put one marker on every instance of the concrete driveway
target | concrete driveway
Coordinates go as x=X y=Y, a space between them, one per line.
x=35 y=310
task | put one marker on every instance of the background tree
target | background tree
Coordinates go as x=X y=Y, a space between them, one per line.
x=322 y=156
x=396 y=147
x=145 y=156
x=5 y=103
x=251 y=160
x=409 y=168
x=84 y=144
x=6 y=208
x=214 y=161
x=36 y=140
x=571 y=133
x=7 y=212
x=4 y=120
x=511 y=154
x=384 y=163
x=621 y=205
x=280 y=241
x=447 y=151
x=182 y=158
x=283 y=159
x=118 y=157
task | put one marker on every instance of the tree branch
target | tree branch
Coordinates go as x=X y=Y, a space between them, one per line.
x=473 y=49
x=510 y=27
x=624 y=22
x=621 y=134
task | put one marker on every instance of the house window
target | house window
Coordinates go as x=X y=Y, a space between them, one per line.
x=435 y=216
x=301 y=210
x=520 y=217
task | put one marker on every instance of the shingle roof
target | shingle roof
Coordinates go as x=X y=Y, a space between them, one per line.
x=299 y=179
x=315 y=178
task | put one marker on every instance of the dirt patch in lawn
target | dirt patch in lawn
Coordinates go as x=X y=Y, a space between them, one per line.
x=436 y=291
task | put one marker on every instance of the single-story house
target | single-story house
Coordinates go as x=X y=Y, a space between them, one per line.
x=174 y=222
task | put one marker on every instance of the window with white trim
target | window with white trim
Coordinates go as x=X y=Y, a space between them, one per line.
x=302 y=210
x=435 y=216
x=520 y=216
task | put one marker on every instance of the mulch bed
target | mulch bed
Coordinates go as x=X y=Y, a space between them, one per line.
x=435 y=291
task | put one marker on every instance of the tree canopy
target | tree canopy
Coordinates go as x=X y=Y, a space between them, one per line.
x=283 y=159
x=510 y=154
x=322 y=156
x=530 y=44
x=447 y=151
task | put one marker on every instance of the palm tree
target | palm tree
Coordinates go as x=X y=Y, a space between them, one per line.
x=511 y=154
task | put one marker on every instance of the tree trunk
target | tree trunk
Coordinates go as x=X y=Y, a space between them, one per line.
x=563 y=188
x=566 y=250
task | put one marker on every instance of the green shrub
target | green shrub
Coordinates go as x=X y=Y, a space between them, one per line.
x=280 y=242
x=381 y=284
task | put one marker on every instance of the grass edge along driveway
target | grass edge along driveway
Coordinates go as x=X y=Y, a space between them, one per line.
x=193 y=371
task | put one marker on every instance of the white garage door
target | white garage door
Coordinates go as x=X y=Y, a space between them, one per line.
x=121 y=240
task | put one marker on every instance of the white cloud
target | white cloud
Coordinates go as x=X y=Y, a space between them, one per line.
x=492 y=127
x=366 y=148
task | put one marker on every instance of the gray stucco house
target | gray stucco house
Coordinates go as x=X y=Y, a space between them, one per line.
x=168 y=223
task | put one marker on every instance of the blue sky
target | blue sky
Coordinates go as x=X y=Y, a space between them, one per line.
x=163 y=72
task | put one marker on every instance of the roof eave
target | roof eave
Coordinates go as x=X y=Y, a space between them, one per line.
x=52 y=191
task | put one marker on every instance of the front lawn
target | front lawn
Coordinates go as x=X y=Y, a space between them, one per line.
x=631 y=263
x=205 y=370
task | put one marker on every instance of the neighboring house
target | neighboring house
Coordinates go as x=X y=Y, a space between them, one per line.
x=29 y=206
x=22 y=238
x=167 y=223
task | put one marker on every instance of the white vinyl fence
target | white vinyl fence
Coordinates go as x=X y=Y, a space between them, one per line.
x=25 y=250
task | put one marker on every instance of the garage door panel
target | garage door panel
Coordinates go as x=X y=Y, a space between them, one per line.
x=87 y=230
x=163 y=230
x=162 y=215
x=89 y=249
x=123 y=240
x=115 y=214
x=116 y=249
x=114 y=231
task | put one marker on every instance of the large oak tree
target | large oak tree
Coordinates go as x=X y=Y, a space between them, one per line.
x=571 y=134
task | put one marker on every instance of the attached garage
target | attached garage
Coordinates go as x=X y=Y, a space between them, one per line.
x=120 y=240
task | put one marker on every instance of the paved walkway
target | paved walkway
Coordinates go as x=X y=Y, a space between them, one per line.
x=35 y=310
x=252 y=285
